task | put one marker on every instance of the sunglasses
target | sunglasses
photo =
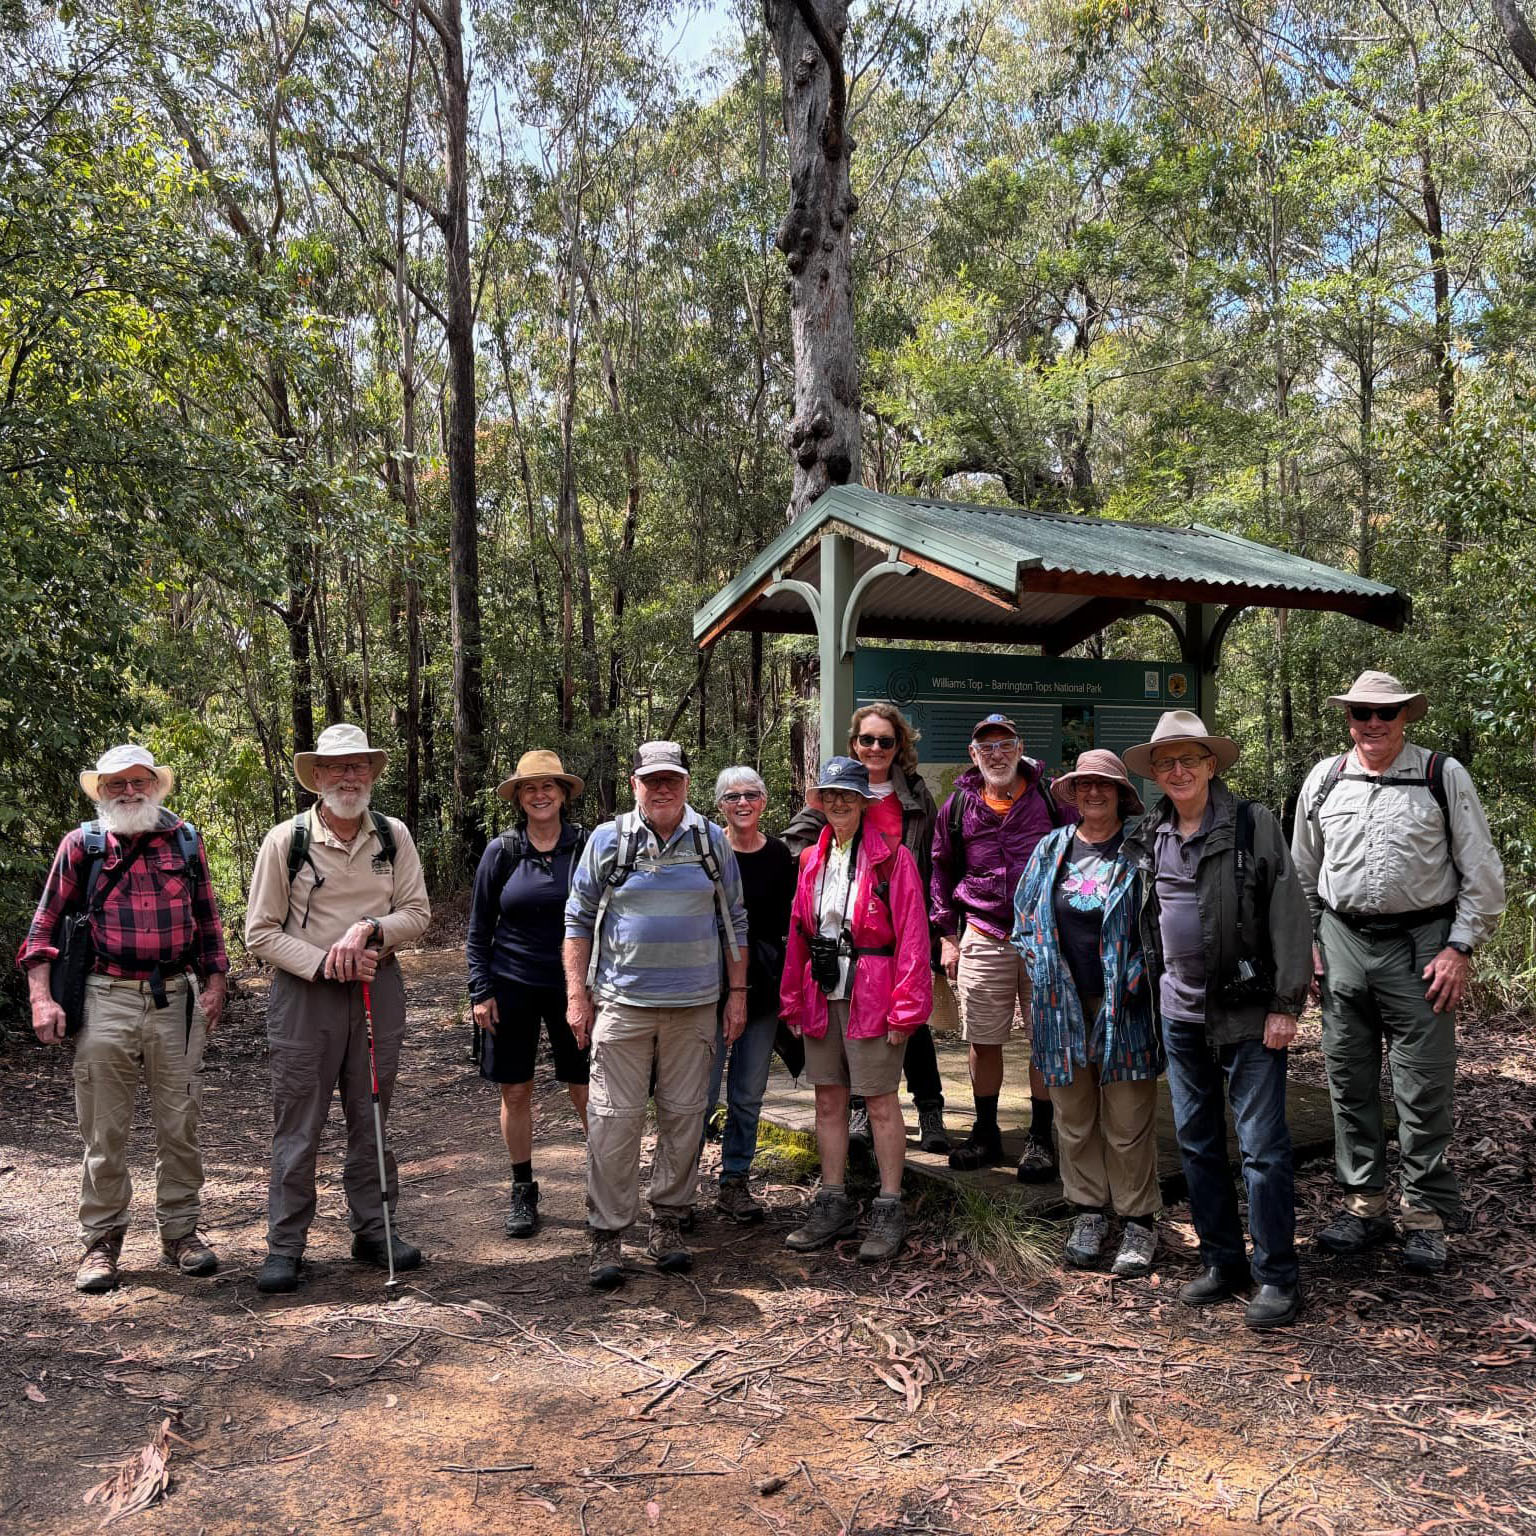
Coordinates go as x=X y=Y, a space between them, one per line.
x=1363 y=712
x=741 y=797
x=885 y=743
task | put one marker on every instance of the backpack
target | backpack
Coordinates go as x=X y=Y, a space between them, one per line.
x=515 y=847
x=298 y=847
x=1433 y=780
x=627 y=857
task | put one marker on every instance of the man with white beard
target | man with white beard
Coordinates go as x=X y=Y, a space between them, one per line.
x=336 y=891
x=141 y=874
x=1001 y=807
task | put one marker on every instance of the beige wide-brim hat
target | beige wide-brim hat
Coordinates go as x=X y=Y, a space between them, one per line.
x=1382 y=688
x=1178 y=725
x=116 y=760
x=1096 y=763
x=336 y=741
x=539 y=764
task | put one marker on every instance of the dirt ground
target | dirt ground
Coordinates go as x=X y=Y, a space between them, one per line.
x=801 y=1394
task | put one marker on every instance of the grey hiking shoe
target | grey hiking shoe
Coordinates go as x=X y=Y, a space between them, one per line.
x=832 y=1216
x=931 y=1135
x=1424 y=1252
x=1038 y=1164
x=666 y=1248
x=1085 y=1245
x=1138 y=1245
x=1348 y=1233
x=735 y=1201
x=606 y=1269
x=887 y=1228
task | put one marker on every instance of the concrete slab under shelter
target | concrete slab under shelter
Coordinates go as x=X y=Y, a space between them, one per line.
x=791 y=1107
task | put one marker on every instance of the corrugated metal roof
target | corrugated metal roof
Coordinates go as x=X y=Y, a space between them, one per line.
x=1042 y=565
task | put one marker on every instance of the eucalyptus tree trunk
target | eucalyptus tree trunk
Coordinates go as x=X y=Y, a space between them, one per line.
x=815 y=236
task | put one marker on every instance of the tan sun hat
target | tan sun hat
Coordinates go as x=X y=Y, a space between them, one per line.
x=116 y=760
x=539 y=764
x=1096 y=763
x=336 y=741
x=1181 y=725
x=1375 y=688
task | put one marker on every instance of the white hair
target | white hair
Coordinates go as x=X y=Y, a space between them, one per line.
x=346 y=803
x=129 y=820
x=739 y=776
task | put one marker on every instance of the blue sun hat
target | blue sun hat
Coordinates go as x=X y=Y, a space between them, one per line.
x=840 y=773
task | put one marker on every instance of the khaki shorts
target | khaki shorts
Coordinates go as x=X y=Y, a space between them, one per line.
x=992 y=983
x=868 y=1068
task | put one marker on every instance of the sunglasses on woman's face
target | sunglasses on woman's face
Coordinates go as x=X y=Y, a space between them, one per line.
x=742 y=797
x=885 y=743
x=1363 y=712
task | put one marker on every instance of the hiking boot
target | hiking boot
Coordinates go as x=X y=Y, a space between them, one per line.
x=981 y=1149
x=1212 y=1284
x=832 y=1216
x=1423 y=1252
x=735 y=1201
x=190 y=1254
x=98 y=1264
x=278 y=1274
x=1273 y=1306
x=666 y=1247
x=371 y=1250
x=1138 y=1245
x=605 y=1272
x=523 y=1213
x=1038 y=1164
x=1348 y=1233
x=1085 y=1246
x=931 y=1135
x=860 y=1137
x=887 y=1228
x=686 y=1221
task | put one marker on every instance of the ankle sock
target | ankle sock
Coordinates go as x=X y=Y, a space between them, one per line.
x=1042 y=1115
x=835 y=1190
x=986 y=1116
x=522 y=1173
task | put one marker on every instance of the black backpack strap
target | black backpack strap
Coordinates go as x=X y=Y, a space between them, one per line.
x=386 y=836
x=298 y=847
x=956 y=815
x=1434 y=777
x=1052 y=809
x=1327 y=787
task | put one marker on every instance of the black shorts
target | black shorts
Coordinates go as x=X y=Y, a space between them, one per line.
x=508 y=1055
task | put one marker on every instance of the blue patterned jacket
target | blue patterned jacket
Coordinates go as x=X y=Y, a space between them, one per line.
x=1132 y=1050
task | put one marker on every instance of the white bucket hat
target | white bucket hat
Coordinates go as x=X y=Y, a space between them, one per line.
x=117 y=760
x=1378 y=688
x=336 y=741
x=1180 y=725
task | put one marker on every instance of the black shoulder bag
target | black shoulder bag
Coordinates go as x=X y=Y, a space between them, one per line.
x=77 y=949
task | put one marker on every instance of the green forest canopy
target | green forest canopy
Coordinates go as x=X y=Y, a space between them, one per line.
x=1271 y=267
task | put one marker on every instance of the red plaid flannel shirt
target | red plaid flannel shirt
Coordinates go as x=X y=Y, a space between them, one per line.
x=154 y=915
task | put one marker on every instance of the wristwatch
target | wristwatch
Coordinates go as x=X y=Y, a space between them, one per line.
x=375 y=930
x=1459 y=947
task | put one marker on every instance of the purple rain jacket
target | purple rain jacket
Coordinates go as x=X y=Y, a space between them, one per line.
x=976 y=876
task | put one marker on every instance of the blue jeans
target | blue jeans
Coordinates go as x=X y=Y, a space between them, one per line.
x=1254 y=1079
x=751 y=1057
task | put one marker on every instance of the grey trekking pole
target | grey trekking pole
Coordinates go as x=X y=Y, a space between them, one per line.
x=378 y=1138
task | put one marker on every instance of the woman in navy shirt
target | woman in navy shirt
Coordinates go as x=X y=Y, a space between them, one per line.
x=516 y=928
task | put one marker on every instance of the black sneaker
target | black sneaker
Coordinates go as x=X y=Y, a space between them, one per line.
x=523 y=1215
x=1348 y=1233
x=1424 y=1252
x=278 y=1274
x=371 y=1250
x=981 y=1149
x=1038 y=1164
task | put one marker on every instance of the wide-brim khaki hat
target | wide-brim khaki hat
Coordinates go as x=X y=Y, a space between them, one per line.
x=1096 y=763
x=337 y=741
x=117 y=760
x=539 y=764
x=1181 y=725
x=1375 y=688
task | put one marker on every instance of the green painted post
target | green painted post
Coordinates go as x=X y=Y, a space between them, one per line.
x=1199 y=621
x=836 y=672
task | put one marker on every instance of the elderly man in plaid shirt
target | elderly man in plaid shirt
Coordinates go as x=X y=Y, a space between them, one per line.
x=153 y=919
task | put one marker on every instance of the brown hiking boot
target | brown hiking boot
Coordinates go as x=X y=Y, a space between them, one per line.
x=666 y=1249
x=98 y=1267
x=735 y=1201
x=190 y=1254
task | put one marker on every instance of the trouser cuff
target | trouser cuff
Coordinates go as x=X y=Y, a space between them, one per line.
x=1366 y=1203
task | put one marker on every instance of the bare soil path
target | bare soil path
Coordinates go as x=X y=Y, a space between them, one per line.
x=764 y=1391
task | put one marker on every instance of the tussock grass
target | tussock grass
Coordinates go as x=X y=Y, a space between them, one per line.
x=996 y=1230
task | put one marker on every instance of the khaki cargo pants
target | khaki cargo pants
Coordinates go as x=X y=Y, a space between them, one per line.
x=318 y=1043
x=625 y=1040
x=124 y=1035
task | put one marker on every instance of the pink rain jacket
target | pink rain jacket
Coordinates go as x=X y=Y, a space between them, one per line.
x=890 y=992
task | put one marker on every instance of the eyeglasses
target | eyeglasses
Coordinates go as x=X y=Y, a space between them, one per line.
x=841 y=799
x=1363 y=712
x=127 y=786
x=342 y=770
x=997 y=747
x=885 y=743
x=742 y=797
x=1188 y=762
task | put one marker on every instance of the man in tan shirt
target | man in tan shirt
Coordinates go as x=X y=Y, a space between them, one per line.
x=1393 y=852
x=336 y=891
